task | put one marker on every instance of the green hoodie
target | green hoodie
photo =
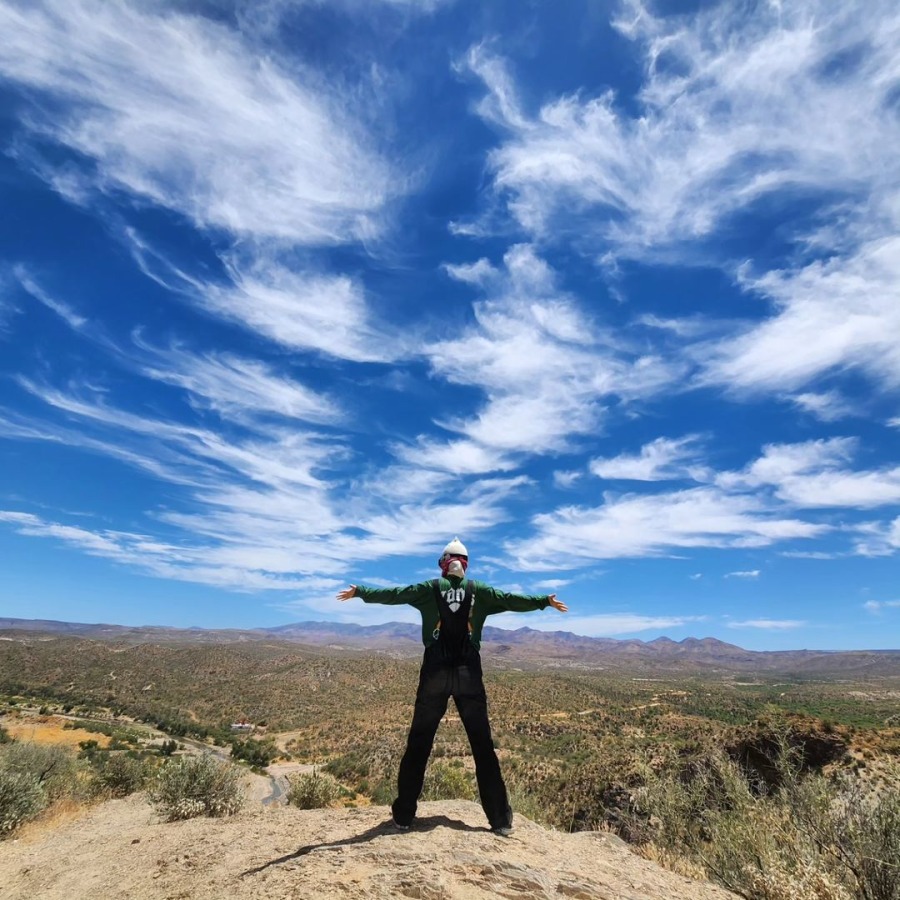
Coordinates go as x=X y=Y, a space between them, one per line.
x=485 y=602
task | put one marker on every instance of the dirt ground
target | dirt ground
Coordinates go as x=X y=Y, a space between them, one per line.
x=121 y=849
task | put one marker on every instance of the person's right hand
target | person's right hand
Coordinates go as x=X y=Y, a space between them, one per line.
x=347 y=593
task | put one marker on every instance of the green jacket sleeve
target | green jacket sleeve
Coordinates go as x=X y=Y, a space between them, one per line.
x=496 y=601
x=413 y=594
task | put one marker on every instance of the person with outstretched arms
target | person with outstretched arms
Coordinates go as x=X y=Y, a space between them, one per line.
x=453 y=609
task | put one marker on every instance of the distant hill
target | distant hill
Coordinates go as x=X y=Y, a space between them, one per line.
x=522 y=647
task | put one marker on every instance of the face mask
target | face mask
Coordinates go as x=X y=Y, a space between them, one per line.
x=452 y=565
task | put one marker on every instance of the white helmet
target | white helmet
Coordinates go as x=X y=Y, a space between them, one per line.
x=456 y=548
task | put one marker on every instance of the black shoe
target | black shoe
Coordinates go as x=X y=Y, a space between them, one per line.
x=503 y=830
x=398 y=826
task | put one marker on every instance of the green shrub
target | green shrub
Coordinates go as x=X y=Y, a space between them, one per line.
x=349 y=766
x=21 y=799
x=445 y=781
x=257 y=753
x=527 y=805
x=811 y=839
x=118 y=775
x=313 y=790
x=53 y=768
x=856 y=832
x=196 y=786
x=383 y=792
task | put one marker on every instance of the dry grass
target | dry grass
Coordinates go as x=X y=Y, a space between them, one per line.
x=672 y=860
x=60 y=813
x=49 y=730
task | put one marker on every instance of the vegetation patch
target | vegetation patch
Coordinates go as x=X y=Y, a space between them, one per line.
x=191 y=786
x=314 y=790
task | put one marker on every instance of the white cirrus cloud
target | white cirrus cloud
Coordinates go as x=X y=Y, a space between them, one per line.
x=660 y=460
x=747 y=573
x=769 y=624
x=829 y=315
x=815 y=474
x=827 y=406
x=301 y=309
x=878 y=538
x=235 y=387
x=566 y=479
x=182 y=112
x=601 y=625
x=288 y=301
x=740 y=107
x=876 y=606
x=545 y=367
x=635 y=525
x=152 y=556
x=735 y=106
x=73 y=319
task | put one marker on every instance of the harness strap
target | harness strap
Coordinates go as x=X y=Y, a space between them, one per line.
x=439 y=597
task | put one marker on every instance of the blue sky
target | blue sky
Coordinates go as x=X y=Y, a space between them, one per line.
x=292 y=292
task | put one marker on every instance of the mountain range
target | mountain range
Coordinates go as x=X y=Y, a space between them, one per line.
x=519 y=648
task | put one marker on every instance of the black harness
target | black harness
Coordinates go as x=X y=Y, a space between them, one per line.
x=455 y=626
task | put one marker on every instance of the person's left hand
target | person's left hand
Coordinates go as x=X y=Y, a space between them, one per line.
x=558 y=604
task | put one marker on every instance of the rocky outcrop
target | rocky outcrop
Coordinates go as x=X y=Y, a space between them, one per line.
x=120 y=849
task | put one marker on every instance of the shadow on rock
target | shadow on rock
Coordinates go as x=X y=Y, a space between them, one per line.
x=427 y=823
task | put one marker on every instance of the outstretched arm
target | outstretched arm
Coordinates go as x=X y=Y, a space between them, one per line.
x=347 y=593
x=557 y=604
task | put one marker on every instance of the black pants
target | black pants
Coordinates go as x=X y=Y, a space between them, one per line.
x=440 y=679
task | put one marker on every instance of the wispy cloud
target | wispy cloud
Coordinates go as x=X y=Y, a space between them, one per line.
x=178 y=110
x=73 y=319
x=734 y=108
x=151 y=555
x=545 y=366
x=650 y=525
x=235 y=387
x=878 y=538
x=661 y=460
x=738 y=106
x=263 y=503
x=769 y=624
x=815 y=474
x=603 y=625
x=301 y=309
x=831 y=315
x=827 y=406
x=566 y=479
x=749 y=573
x=876 y=606
x=552 y=584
